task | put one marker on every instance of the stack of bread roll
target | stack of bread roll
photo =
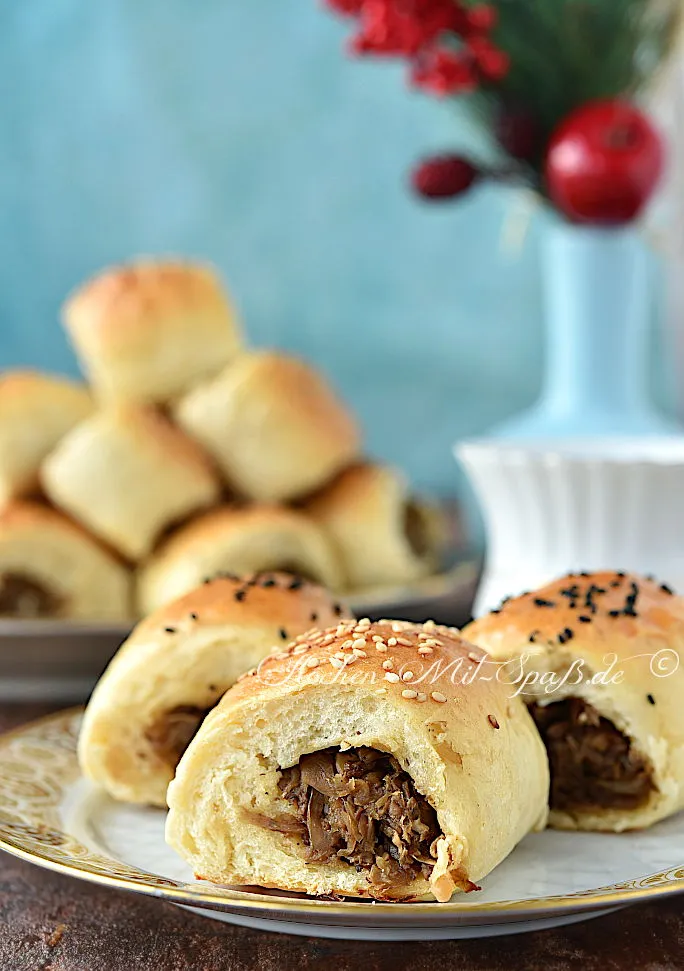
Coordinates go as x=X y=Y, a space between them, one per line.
x=189 y=455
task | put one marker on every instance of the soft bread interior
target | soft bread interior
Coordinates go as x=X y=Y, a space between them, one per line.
x=229 y=783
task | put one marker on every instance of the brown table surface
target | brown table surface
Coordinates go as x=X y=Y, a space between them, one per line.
x=52 y=923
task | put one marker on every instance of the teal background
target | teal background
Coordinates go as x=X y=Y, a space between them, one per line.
x=239 y=131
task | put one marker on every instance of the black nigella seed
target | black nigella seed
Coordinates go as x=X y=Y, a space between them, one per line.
x=314 y=617
x=170 y=630
x=540 y=602
x=295 y=584
x=337 y=609
x=568 y=634
x=283 y=633
x=213 y=687
x=492 y=721
x=583 y=619
x=497 y=611
x=193 y=616
x=614 y=613
x=620 y=573
x=650 y=576
x=207 y=579
x=664 y=587
x=615 y=583
x=651 y=699
x=240 y=594
x=269 y=583
x=562 y=638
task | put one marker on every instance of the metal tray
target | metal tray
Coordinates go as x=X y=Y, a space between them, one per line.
x=62 y=660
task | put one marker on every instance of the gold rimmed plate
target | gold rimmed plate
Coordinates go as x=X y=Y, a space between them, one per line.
x=51 y=816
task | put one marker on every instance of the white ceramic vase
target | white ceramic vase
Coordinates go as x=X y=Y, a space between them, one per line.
x=572 y=505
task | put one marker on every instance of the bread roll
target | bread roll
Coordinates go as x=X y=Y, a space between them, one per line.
x=389 y=779
x=176 y=665
x=50 y=567
x=149 y=331
x=36 y=410
x=127 y=473
x=273 y=426
x=598 y=659
x=384 y=536
x=237 y=540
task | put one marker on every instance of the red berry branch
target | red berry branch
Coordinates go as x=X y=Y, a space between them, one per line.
x=446 y=42
x=596 y=158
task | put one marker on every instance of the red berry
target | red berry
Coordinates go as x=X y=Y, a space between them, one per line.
x=444 y=72
x=443 y=177
x=603 y=163
x=482 y=18
x=519 y=133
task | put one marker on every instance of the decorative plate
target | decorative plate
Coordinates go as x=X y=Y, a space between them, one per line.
x=52 y=817
x=62 y=660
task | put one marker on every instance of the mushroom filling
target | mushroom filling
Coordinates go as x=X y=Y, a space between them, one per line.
x=416 y=529
x=361 y=807
x=23 y=596
x=592 y=764
x=173 y=731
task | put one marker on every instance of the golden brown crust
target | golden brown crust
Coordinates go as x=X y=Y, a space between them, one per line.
x=40 y=544
x=416 y=692
x=273 y=425
x=237 y=540
x=428 y=659
x=148 y=331
x=127 y=473
x=602 y=611
x=183 y=658
x=383 y=534
x=614 y=641
x=249 y=601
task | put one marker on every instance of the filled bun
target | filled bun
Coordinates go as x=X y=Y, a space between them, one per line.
x=126 y=473
x=598 y=658
x=383 y=534
x=36 y=411
x=149 y=331
x=273 y=426
x=353 y=762
x=176 y=665
x=238 y=541
x=51 y=568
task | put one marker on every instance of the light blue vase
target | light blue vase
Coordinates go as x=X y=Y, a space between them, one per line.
x=597 y=309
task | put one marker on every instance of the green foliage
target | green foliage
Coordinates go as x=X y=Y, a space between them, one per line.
x=567 y=52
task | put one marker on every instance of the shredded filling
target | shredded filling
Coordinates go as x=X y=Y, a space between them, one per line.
x=171 y=734
x=592 y=764
x=22 y=596
x=415 y=530
x=361 y=807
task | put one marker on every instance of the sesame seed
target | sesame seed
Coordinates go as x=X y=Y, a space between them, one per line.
x=472 y=656
x=336 y=663
x=312 y=662
x=409 y=693
x=431 y=642
x=407 y=675
x=422 y=696
x=391 y=676
x=392 y=641
x=397 y=628
x=381 y=691
x=328 y=639
x=302 y=649
x=339 y=655
x=388 y=664
x=429 y=625
x=350 y=659
x=438 y=696
x=425 y=650
x=404 y=641
x=358 y=643
x=282 y=655
x=381 y=647
x=492 y=721
x=359 y=653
